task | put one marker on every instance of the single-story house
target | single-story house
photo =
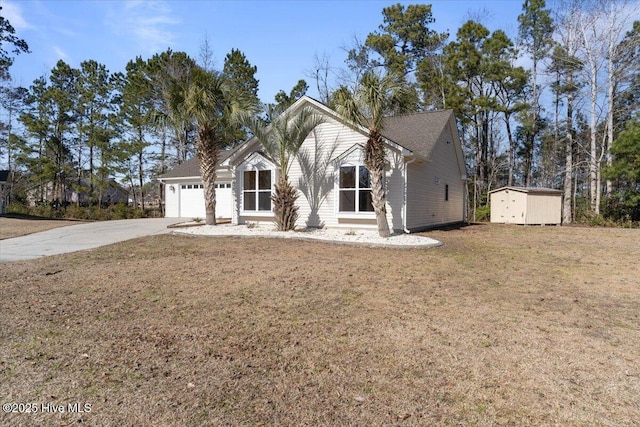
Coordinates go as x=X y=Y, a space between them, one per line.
x=111 y=193
x=78 y=192
x=425 y=176
x=526 y=205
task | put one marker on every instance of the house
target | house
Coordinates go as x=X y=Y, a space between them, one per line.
x=526 y=205
x=4 y=190
x=425 y=176
x=184 y=193
x=76 y=190
x=110 y=193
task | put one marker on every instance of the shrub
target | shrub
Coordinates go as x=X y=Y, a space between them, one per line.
x=18 y=208
x=483 y=213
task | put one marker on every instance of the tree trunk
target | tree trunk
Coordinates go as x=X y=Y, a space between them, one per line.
x=611 y=83
x=208 y=154
x=534 y=125
x=568 y=168
x=593 y=161
x=512 y=148
x=284 y=205
x=141 y=177
x=375 y=162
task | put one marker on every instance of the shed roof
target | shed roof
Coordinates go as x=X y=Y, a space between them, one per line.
x=530 y=190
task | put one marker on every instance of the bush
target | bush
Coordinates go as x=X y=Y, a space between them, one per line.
x=93 y=212
x=591 y=219
x=76 y=212
x=483 y=213
x=18 y=208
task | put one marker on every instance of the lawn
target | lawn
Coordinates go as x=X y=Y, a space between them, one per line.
x=503 y=325
x=19 y=225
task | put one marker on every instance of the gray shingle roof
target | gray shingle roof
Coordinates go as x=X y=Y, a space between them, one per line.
x=191 y=167
x=532 y=190
x=417 y=132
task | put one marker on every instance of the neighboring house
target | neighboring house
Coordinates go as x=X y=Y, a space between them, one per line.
x=425 y=176
x=111 y=193
x=4 y=190
x=74 y=192
x=526 y=205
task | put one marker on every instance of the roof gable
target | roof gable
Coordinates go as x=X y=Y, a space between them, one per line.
x=356 y=150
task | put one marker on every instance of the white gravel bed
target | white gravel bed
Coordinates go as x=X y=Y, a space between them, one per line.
x=342 y=235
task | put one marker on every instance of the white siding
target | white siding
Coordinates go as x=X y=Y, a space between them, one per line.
x=172 y=200
x=328 y=141
x=318 y=202
x=256 y=162
x=426 y=188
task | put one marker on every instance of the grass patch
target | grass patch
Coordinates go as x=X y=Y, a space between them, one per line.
x=16 y=225
x=502 y=325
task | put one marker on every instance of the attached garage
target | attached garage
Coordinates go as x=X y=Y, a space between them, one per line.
x=184 y=192
x=526 y=205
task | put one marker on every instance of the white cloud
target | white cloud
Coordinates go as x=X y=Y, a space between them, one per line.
x=60 y=54
x=148 y=23
x=13 y=13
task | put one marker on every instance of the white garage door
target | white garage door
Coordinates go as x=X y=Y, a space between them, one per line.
x=224 y=200
x=192 y=201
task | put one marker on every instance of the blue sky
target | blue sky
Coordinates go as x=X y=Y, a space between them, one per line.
x=280 y=37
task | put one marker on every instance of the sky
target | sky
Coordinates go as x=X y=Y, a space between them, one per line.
x=281 y=38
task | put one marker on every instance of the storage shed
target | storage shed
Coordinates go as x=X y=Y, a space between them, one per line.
x=526 y=205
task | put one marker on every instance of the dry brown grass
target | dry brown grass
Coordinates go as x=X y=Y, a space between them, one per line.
x=501 y=326
x=20 y=225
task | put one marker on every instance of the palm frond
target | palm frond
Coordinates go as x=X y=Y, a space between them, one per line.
x=283 y=137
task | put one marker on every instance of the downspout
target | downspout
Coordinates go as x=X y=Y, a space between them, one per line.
x=404 y=203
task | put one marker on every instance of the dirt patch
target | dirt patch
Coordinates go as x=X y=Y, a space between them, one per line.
x=21 y=225
x=500 y=326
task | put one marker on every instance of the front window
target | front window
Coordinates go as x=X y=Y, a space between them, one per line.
x=355 y=189
x=256 y=190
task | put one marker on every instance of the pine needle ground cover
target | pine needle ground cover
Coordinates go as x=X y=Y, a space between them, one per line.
x=503 y=325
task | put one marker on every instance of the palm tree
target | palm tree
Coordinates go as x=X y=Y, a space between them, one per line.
x=215 y=107
x=374 y=96
x=282 y=139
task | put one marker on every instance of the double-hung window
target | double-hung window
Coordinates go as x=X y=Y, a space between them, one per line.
x=355 y=189
x=256 y=190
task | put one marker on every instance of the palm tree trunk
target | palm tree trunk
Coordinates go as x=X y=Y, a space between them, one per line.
x=284 y=205
x=375 y=162
x=208 y=155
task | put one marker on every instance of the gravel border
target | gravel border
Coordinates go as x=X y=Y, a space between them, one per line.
x=340 y=236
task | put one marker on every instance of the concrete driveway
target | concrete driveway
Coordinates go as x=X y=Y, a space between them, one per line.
x=82 y=236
